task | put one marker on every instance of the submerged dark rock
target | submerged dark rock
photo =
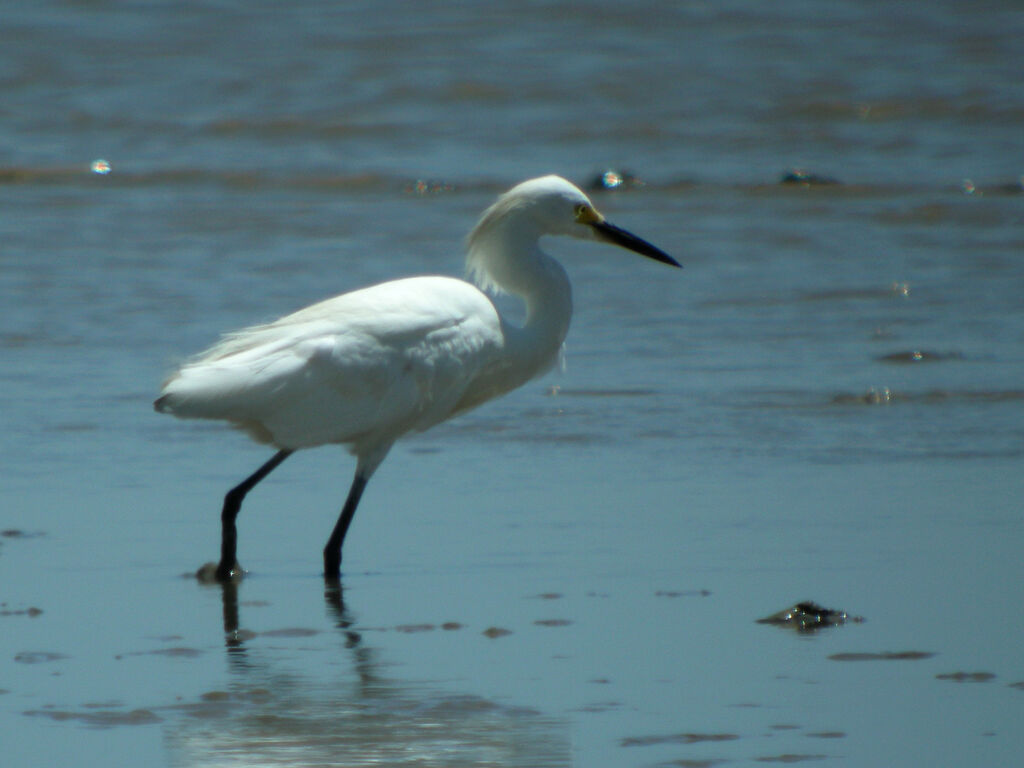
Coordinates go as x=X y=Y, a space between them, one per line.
x=919 y=356
x=808 y=616
x=801 y=178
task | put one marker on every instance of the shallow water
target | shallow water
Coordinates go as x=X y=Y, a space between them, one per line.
x=826 y=404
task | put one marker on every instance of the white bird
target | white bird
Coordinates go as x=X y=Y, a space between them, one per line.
x=364 y=368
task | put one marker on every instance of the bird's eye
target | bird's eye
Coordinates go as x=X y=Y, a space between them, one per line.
x=584 y=213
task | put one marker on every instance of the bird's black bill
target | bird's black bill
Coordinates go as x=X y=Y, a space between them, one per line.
x=619 y=236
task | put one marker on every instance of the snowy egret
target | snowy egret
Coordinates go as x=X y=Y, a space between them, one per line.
x=364 y=368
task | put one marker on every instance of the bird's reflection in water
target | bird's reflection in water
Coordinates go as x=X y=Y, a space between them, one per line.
x=229 y=596
x=345 y=711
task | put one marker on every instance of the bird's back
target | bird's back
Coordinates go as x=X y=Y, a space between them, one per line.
x=360 y=369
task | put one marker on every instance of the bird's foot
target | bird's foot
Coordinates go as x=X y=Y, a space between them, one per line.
x=332 y=565
x=220 y=573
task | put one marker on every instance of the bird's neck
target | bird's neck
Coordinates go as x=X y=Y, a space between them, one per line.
x=536 y=346
x=548 y=306
x=512 y=260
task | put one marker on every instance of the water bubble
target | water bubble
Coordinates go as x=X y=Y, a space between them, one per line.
x=102 y=167
x=613 y=179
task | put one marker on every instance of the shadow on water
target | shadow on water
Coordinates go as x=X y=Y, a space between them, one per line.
x=347 y=712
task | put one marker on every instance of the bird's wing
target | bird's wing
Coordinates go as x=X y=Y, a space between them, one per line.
x=362 y=367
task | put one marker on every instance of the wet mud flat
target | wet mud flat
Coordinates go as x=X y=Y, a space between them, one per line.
x=353 y=685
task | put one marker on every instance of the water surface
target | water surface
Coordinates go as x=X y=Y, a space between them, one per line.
x=826 y=404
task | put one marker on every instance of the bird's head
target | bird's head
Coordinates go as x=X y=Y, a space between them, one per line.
x=558 y=207
x=548 y=205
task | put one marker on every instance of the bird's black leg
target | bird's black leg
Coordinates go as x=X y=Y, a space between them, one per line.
x=332 y=552
x=232 y=504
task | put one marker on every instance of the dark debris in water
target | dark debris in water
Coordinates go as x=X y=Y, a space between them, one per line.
x=557 y=391
x=808 y=616
x=100 y=718
x=677 y=738
x=967 y=677
x=919 y=356
x=38 y=657
x=31 y=611
x=789 y=757
x=801 y=178
x=882 y=656
x=886 y=396
x=175 y=652
x=495 y=632
x=17 y=533
x=290 y=632
x=411 y=629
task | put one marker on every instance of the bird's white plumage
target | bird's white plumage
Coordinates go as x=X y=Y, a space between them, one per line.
x=364 y=368
x=359 y=369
